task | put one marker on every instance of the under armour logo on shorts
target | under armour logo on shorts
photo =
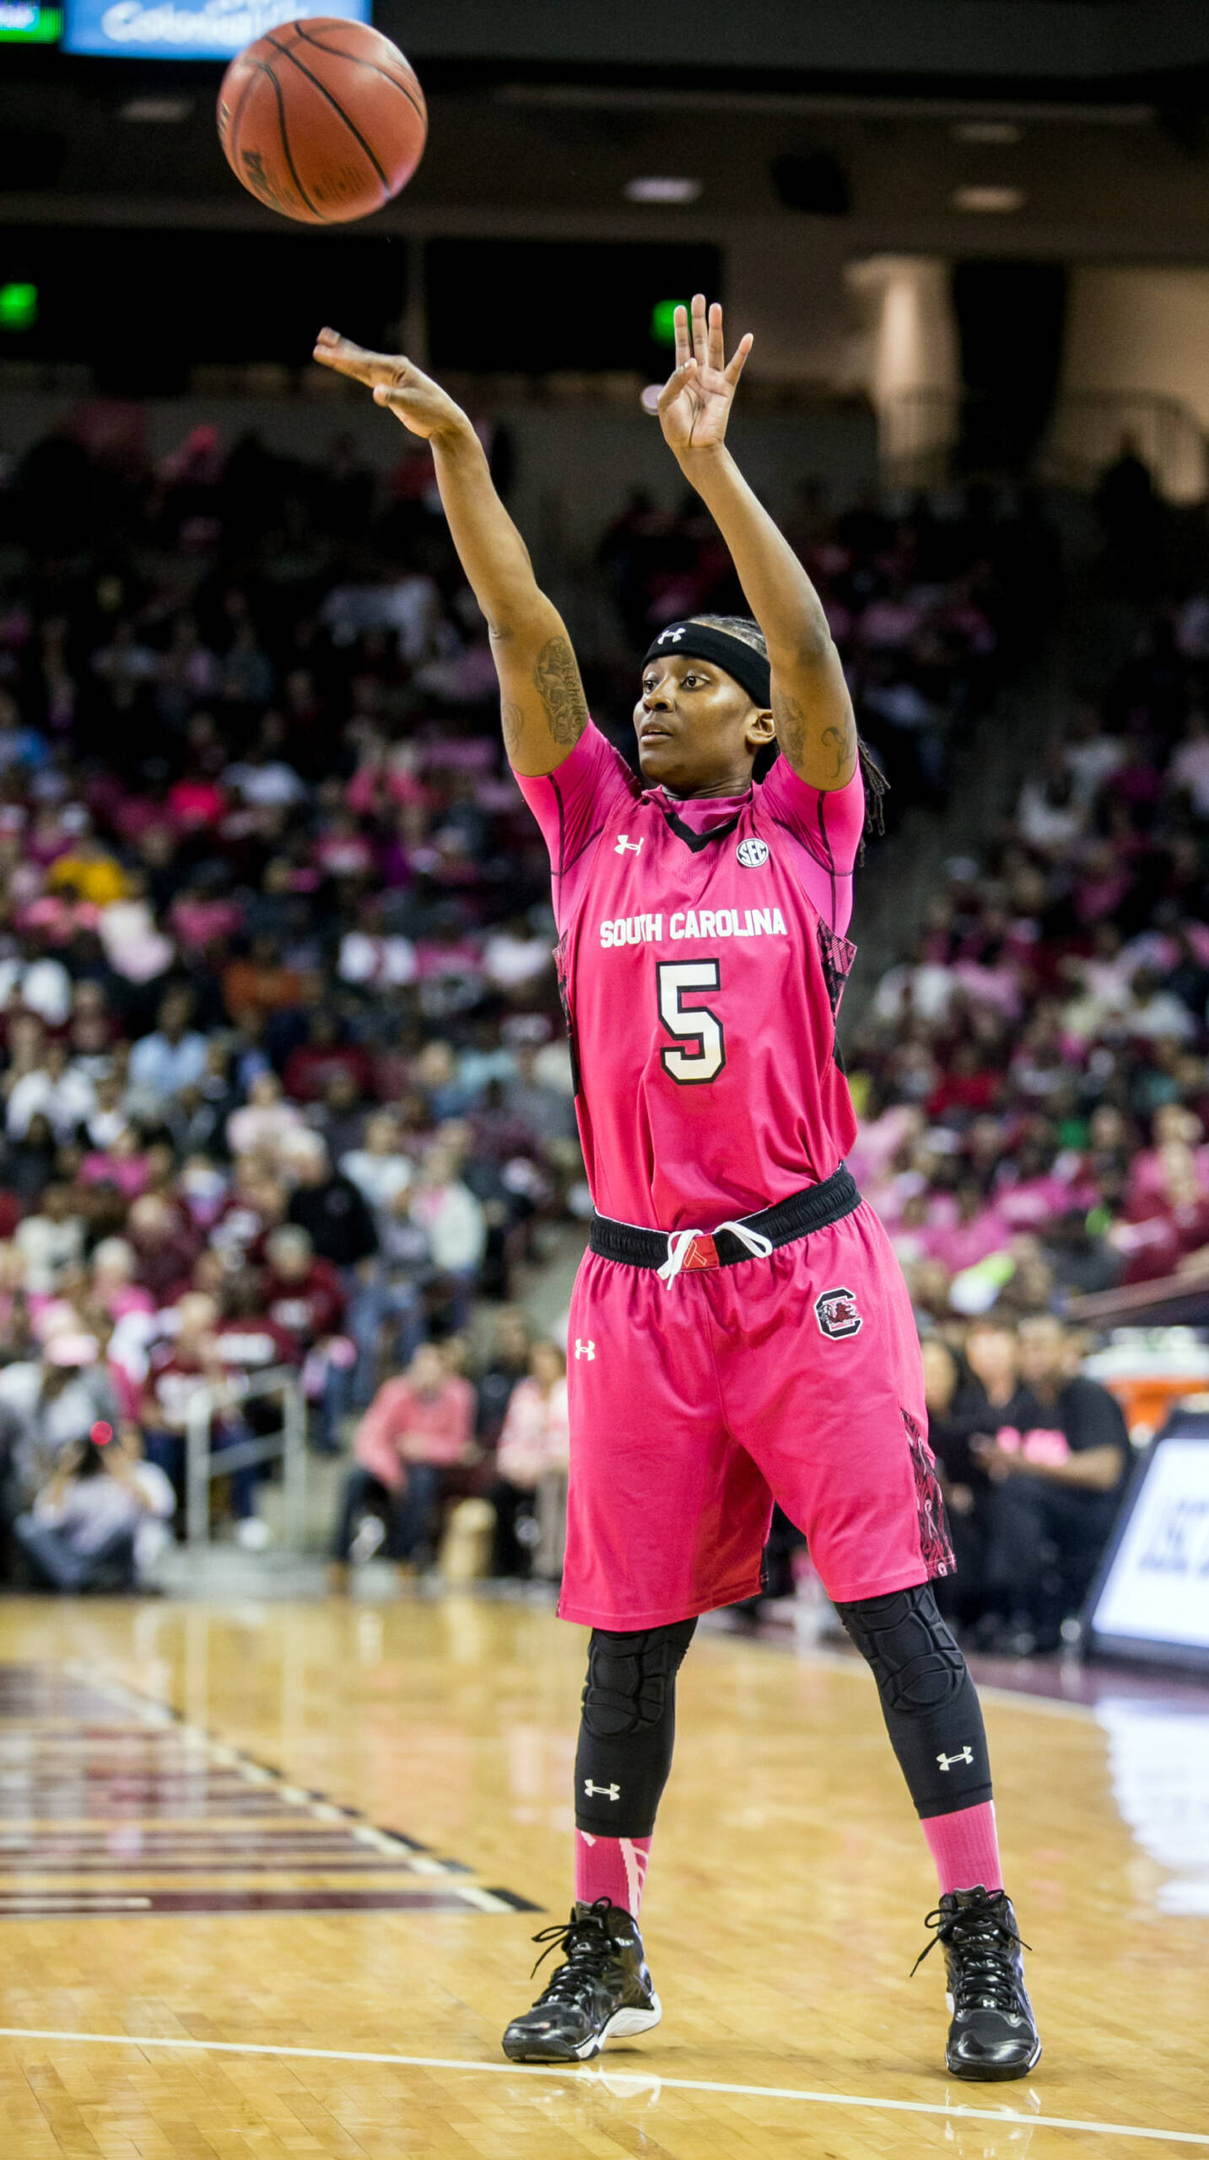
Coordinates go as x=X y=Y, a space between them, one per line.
x=624 y=841
x=838 y=1314
x=674 y=635
x=601 y=1792
x=585 y=1349
x=965 y=1754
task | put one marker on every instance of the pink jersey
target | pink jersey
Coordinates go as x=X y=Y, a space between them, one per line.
x=702 y=957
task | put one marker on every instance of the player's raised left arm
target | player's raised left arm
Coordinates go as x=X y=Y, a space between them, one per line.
x=815 y=724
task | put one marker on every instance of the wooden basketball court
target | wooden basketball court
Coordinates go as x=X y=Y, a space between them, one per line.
x=268 y=1875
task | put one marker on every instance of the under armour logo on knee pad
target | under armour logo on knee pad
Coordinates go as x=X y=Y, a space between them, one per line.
x=601 y=1792
x=965 y=1754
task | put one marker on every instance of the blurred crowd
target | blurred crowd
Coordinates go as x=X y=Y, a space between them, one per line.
x=1033 y=1079
x=283 y=1082
x=932 y=603
x=1032 y=1457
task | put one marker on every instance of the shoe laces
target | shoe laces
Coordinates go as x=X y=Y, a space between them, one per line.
x=981 y=1933
x=584 y=1941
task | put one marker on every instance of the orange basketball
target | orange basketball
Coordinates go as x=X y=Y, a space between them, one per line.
x=322 y=119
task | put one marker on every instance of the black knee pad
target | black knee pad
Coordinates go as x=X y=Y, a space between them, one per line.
x=929 y=1702
x=628 y=1728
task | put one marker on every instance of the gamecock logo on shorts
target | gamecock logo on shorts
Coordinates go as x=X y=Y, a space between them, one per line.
x=838 y=1314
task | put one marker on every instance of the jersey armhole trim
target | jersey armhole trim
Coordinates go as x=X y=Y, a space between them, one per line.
x=568 y=867
x=830 y=857
x=804 y=840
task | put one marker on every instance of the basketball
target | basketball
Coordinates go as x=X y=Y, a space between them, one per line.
x=322 y=119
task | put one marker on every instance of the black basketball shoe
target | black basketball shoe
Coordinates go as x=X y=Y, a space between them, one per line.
x=602 y=1992
x=993 y=2034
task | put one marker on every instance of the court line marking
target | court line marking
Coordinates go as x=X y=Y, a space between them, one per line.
x=583 y=2074
x=988 y=1690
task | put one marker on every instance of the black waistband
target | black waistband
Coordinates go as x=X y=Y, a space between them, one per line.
x=811 y=1209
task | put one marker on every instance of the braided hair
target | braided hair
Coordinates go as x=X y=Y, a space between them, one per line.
x=877 y=787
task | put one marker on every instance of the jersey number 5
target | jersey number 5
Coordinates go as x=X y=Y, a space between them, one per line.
x=695 y=1024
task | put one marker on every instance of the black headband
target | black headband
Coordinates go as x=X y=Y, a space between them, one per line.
x=703 y=641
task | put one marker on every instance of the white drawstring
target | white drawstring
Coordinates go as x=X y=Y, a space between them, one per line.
x=680 y=1242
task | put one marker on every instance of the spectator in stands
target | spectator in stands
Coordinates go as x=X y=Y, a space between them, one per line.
x=969 y=1395
x=380 y=1168
x=96 y=1524
x=52 y=1240
x=303 y=1296
x=27 y=1164
x=187 y=1366
x=507 y=1362
x=1056 y=1473
x=172 y=1057
x=417 y=1426
x=50 y=1089
x=165 y=1248
x=264 y=1123
x=455 y=1224
x=329 y=1206
x=530 y=1492
x=57 y=1399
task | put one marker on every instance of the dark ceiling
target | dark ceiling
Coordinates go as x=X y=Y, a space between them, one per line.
x=542 y=110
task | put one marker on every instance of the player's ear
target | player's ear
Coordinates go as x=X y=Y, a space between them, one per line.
x=761 y=728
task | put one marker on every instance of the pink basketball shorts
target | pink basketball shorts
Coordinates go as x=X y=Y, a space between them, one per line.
x=698 y=1402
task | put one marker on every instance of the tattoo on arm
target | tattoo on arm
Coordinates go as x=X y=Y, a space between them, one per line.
x=793 y=730
x=556 y=680
x=843 y=741
x=513 y=723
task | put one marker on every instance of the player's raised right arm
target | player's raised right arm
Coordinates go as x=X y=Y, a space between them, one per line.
x=542 y=698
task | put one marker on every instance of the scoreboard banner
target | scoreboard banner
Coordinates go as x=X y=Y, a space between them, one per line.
x=1151 y=1598
x=187 y=29
x=29 y=22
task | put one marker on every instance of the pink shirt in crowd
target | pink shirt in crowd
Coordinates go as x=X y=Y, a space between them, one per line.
x=536 y=1435
x=403 y=1426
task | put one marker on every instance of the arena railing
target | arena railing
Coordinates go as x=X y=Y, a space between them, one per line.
x=204 y=1463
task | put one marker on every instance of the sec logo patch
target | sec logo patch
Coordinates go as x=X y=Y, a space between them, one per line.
x=752 y=853
x=838 y=1314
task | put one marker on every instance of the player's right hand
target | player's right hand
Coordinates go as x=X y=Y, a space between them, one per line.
x=413 y=397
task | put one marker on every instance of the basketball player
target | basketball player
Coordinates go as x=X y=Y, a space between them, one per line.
x=740 y=1331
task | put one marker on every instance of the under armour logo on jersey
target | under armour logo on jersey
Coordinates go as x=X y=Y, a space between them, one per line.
x=946 y=1762
x=601 y=1792
x=752 y=853
x=674 y=635
x=838 y=1314
x=585 y=1349
x=624 y=841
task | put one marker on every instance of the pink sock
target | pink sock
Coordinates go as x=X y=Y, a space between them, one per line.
x=612 y=1867
x=965 y=1848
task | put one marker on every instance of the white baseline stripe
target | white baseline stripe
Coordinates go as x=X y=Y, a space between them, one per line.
x=581 y=2074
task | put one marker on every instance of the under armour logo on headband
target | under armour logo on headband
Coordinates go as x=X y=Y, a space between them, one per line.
x=674 y=635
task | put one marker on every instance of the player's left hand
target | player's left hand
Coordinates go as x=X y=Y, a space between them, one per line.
x=396 y=382
x=694 y=404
